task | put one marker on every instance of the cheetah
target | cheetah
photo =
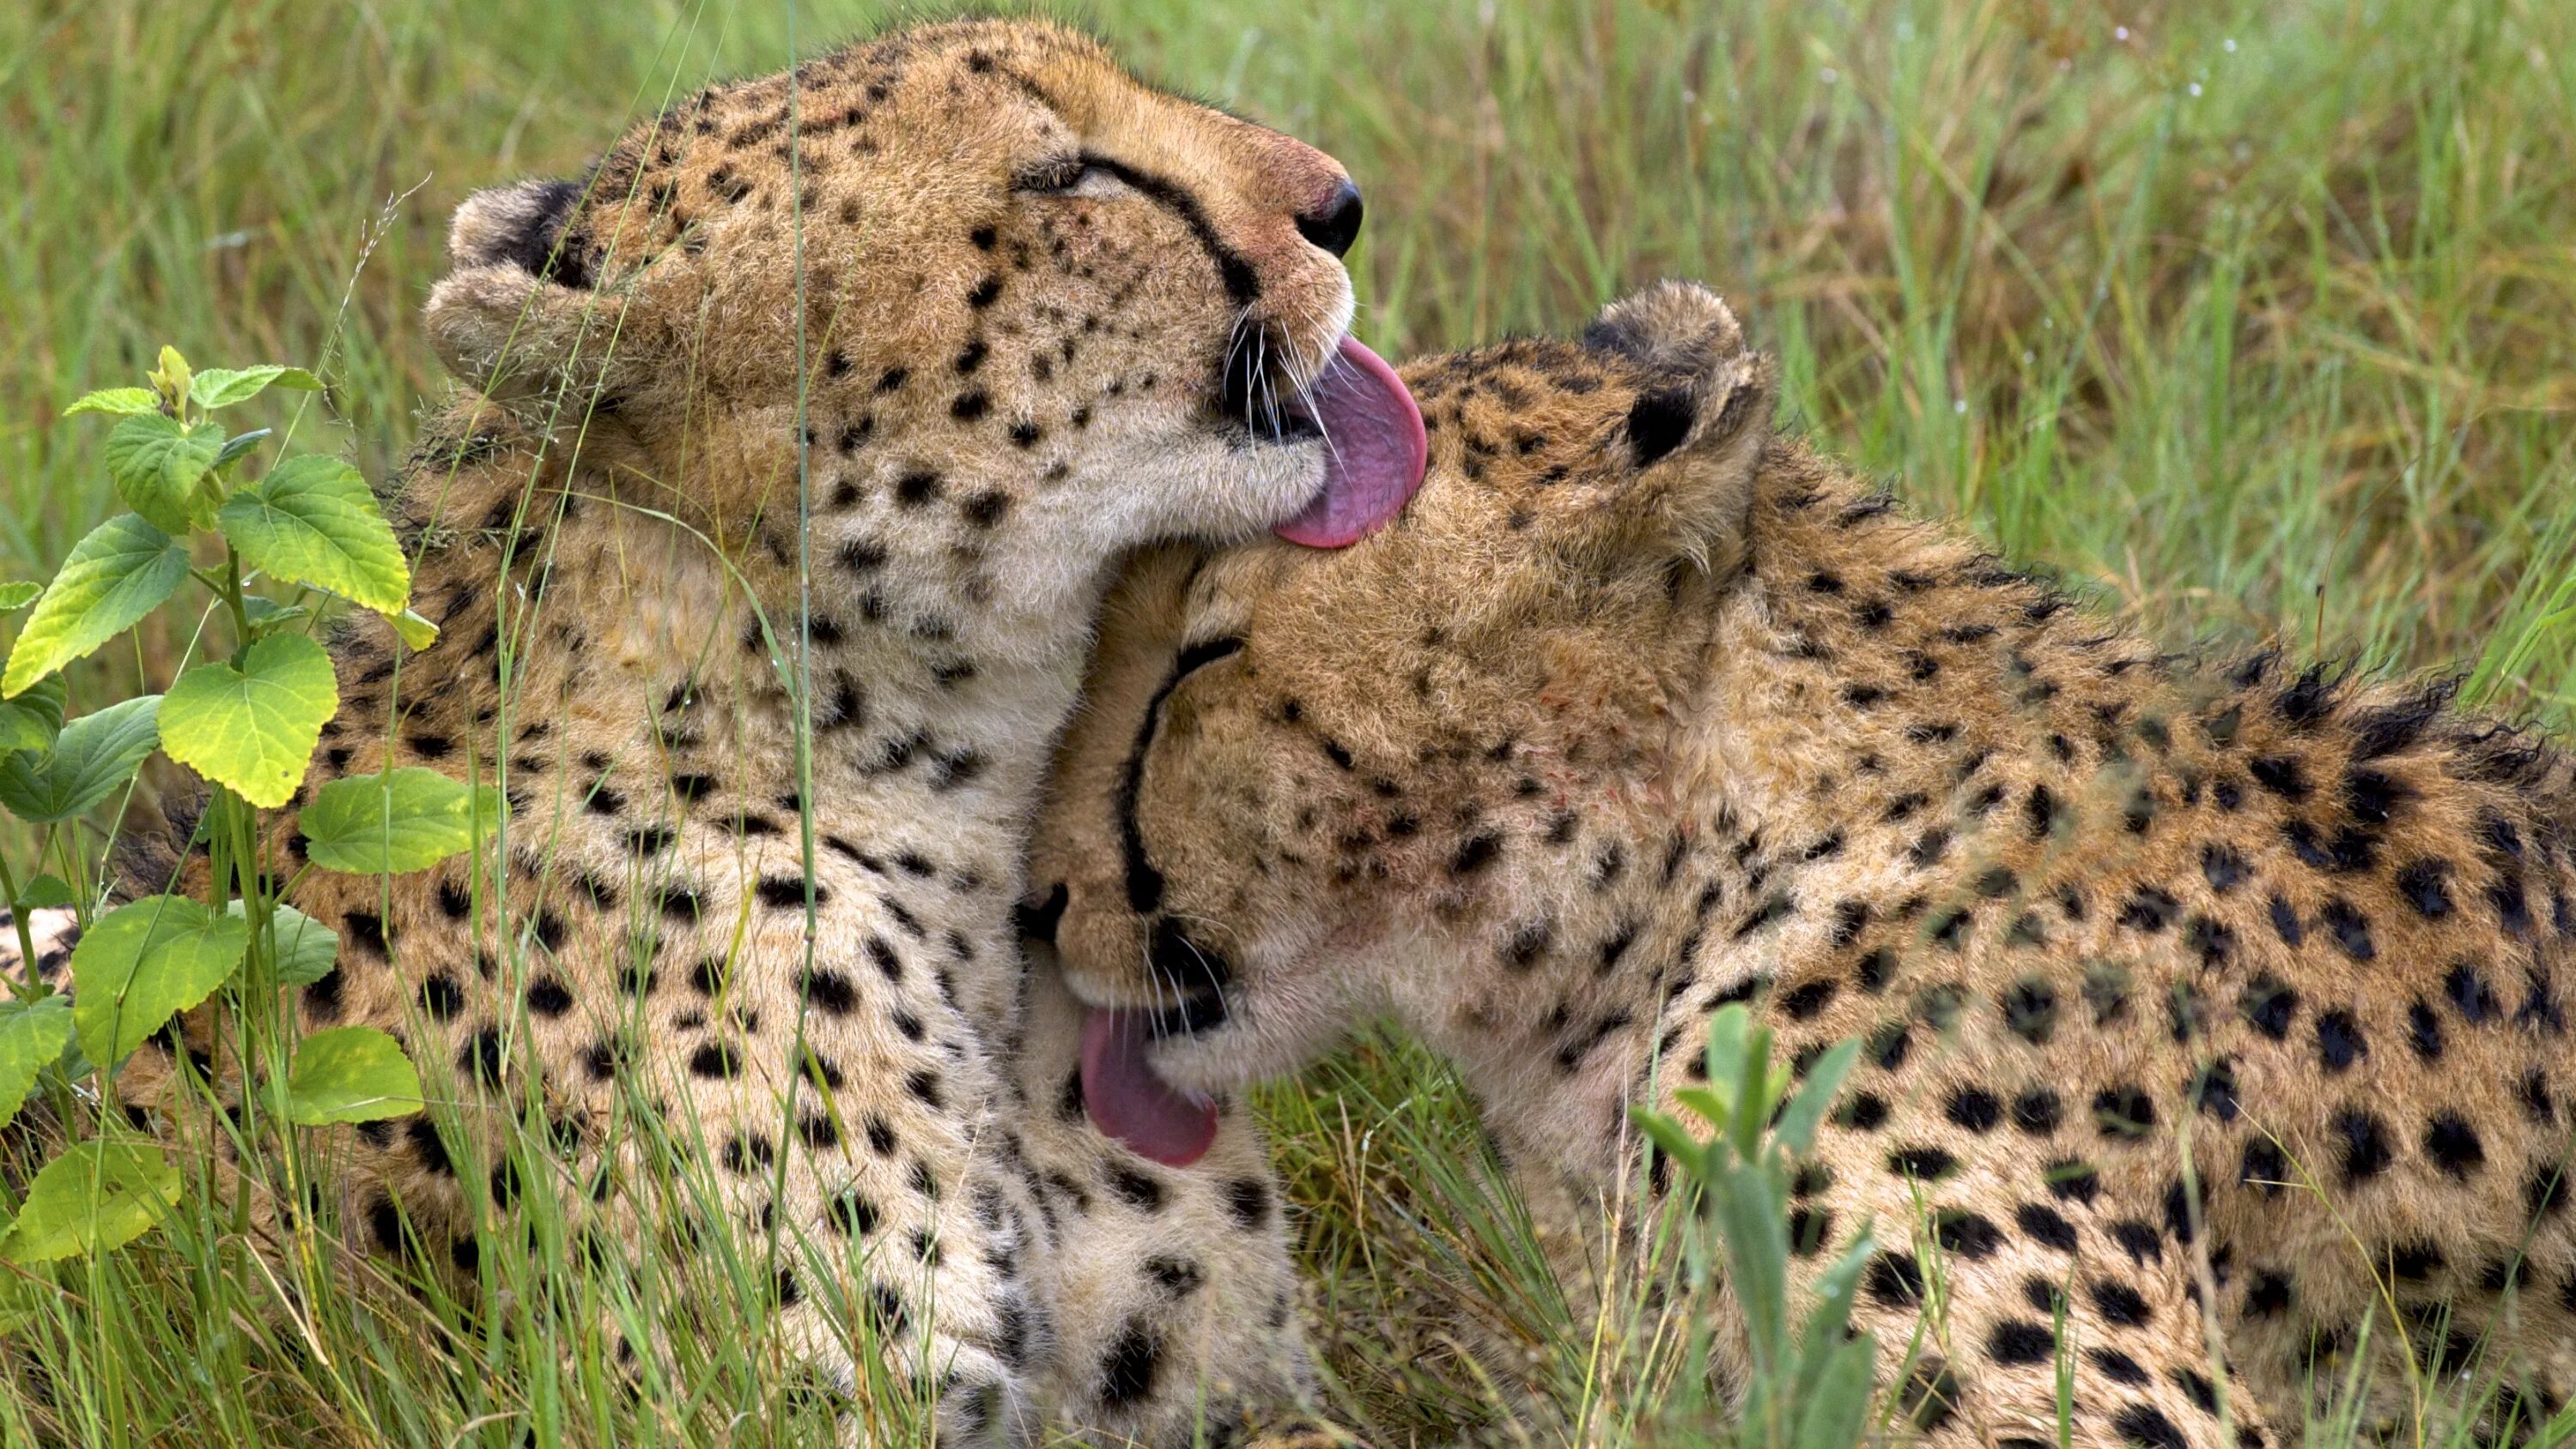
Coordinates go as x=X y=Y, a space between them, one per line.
x=2181 y=982
x=796 y=442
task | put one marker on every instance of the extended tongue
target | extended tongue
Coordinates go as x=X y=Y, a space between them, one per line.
x=1154 y=1118
x=1374 y=449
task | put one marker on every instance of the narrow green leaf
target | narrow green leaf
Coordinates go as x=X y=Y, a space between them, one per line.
x=141 y=964
x=221 y=387
x=1838 y=1408
x=313 y=521
x=252 y=728
x=18 y=594
x=350 y=1074
x=113 y=577
x=409 y=819
x=119 y=401
x=1797 y=1127
x=157 y=465
x=306 y=948
x=99 y=1195
x=31 y=721
x=172 y=377
x=93 y=755
x=32 y=1035
x=268 y=614
x=416 y=631
x=238 y=444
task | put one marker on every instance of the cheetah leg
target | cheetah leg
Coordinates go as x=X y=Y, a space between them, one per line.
x=1175 y=1292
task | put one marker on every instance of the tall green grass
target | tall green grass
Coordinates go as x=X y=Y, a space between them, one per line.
x=2244 y=315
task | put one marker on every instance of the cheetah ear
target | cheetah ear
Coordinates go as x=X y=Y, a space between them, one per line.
x=522 y=225
x=1696 y=434
x=518 y=317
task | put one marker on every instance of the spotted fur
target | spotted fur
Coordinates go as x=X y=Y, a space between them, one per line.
x=2180 y=983
x=994 y=311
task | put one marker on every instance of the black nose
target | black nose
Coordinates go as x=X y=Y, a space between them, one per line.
x=1335 y=224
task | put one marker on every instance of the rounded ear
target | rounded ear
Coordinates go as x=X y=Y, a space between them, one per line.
x=517 y=317
x=1696 y=434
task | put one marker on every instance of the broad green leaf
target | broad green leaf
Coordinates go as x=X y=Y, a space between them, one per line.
x=313 y=521
x=32 y=1035
x=99 y=1195
x=93 y=755
x=46 y=892
x=305 y=947
x=252 y=729
x=350 y=1074
x=409 y=819
x=18 y=595
x=123 y=401
x=113 y=577
x=157 y=464
x=141 y=964
x=416 y=631
x=31 y=721
x=221 y=387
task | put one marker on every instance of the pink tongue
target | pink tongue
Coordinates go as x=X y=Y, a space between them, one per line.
x=1374 y=450
x=1154 y=1118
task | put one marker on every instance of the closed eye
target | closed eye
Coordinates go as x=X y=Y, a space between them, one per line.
x=1069 y=176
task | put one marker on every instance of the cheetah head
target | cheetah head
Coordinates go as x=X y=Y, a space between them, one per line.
x=999 y=308
x=1286 y=802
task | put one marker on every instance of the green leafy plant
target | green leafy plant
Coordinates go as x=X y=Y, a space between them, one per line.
x=1808 y=1386
x=247 y=724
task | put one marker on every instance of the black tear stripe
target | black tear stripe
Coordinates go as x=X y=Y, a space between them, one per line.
x=1144 y=882
x=1242 y=283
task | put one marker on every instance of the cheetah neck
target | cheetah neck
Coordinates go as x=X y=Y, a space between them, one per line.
x=1856 y=681
x=667 y=648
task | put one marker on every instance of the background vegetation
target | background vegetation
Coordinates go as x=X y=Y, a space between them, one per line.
x=2243 y=312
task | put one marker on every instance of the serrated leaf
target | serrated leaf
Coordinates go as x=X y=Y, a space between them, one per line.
x=93 y=755
x=99 y=1195
x=409 y=819
x=313 y=521
x=142 y=964
x=252 y=728
x=120 y=401
x=306 y=948
x=221 y=387
x=157 y=464
x=46 y=892
x=350 y=1074
x=113 y=577
x=416 y=631
x=32 y=1036
x=31 y=721
x=18 y=594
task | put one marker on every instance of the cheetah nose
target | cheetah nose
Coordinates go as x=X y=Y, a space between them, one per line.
x=1335 y=224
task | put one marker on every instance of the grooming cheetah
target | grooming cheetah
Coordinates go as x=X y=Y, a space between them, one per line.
x=994 y=311
x=1641 y=709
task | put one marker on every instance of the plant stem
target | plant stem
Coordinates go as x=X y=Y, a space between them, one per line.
x=33 y=988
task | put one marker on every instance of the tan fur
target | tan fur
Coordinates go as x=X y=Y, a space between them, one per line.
x=1526 y=773
x=1015 y=275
